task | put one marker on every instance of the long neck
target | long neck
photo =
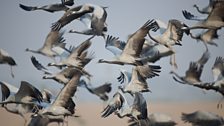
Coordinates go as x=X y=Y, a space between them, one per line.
x=11 y=109
x=33 y=51
x=88 y=87
x=154 y=39
x=120 y=116
x=48 y=77
x=112 y=62
x=200 y=11
x=197 y=8
x=194 y=37
x=178 y=76
x=59 y=65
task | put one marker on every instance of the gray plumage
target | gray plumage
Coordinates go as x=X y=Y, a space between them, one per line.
x=130 y=55
x=172 y=35
x=54 y=38
x=193 y=74
x=96 y=24
x=100 y=91
x=218 y=69
x=214 y=20
x=78 y=58
x=137 y=82
x=133 y=47
x=208 y=36
x=63 y=104
x=70 y=15
x=25 y=100
x=119 y=105
x=207 y=9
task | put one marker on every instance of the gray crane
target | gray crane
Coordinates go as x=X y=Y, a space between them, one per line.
x=130 y=55
x=213 y=21
x=63 y=105
x=95 y=21
x=70 y=15
x=119 y=105
x=25 y=100
x=170 y=35
x=207 y=9
x=207 y=36
x=193 y=74
x=78 y=58
x=54 y=38
x=150 y=50
x=100 y=91
x=131 y=52
x=218 y=74
x=50 y=7
x=136 y=82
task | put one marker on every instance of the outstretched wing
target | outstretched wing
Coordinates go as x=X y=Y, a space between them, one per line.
x=114 y=45
x=190 y=16
x=136 y=40
x=39 y=66
x=5 y=91
x=115 y=104
x=140 y=105
x=194 y=71
x=104 y=88
x=26 y=89
x=218 y=68
x=148 y=71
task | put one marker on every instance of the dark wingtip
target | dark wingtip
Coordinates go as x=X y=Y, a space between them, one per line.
x=56 y=26
x=68 y=2
x=26 y=8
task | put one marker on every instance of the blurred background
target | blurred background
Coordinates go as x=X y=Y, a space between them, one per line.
x=20 y=29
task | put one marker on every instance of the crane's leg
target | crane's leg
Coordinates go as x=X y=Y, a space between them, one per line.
x=219 y=105
x=139 y=123
x=213 y=43
x=205 y=44
x=173 y=61
x=25 y=121
x=65 y=121
x=12 y=74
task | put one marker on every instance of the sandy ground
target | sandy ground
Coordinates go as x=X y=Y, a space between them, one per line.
x=90 y=114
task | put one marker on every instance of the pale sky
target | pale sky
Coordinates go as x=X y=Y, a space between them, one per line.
x=21 y=29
